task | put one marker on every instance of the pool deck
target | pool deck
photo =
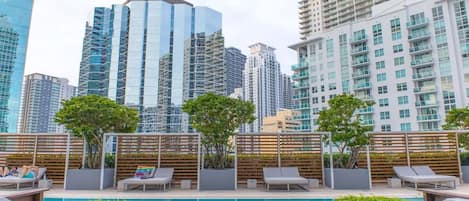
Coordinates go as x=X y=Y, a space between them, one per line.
x=379 y=190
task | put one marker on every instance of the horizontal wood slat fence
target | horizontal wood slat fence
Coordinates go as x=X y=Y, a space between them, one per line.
x=44 y=150
x=279 y=150
x=439 y=150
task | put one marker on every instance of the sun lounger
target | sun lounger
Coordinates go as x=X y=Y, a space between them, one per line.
x=12 y=180
x=407 y=174
x=162 y=176
x=283 y=176
x=424 y=170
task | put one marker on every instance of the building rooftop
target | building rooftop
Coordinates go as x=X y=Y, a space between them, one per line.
x=169 y=1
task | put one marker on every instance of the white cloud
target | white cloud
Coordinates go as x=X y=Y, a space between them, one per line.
x=58 y=27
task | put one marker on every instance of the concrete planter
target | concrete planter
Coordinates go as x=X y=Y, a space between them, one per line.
x=348 y=178
x=89 y=179
x=465 y=173
x=214 y=179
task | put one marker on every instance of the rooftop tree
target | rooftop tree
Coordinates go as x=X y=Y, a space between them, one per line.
x=348 y=131
x=90 y=117
x=217 y=118
x=458 y=119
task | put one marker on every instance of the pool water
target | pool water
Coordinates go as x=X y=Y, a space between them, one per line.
x=84 y=199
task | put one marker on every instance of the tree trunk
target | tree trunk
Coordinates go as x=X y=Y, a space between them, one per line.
x=354 y=159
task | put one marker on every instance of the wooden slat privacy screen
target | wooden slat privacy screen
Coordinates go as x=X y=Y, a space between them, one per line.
x=43 y=150
x=438 y=150
x=176 y=151
x=256 y=151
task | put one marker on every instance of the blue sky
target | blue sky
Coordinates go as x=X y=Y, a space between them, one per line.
x=57 y=30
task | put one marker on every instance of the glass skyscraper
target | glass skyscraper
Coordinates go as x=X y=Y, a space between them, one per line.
x=153 y=55
x=15 y=18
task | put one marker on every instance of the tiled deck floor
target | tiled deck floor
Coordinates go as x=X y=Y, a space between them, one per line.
x=380 y=190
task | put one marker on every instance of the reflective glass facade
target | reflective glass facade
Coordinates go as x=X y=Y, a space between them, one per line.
x=15 y=18
x=157 y=55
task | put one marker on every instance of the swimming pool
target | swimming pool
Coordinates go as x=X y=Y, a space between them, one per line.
x=84 y=199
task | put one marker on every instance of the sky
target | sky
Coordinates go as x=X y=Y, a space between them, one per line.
x=58 y=26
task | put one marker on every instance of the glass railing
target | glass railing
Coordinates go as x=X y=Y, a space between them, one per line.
x=418 y=35
x=360 y=62
x=300 y=86
x=417 y=62
x=423 y=75
x=424 y=89
x=365 y=110
x=362 y=85
x=301 y=107
x=428 y=117
x=301 y=117
x=420 y=48
x=420 y=22
x=300 y=66
x=300 y=96
x=368 y=122
x=366 y=97
x=359 y=38
x=361 y=73
x=360 y=49
x=299 y=76
x=425 y=103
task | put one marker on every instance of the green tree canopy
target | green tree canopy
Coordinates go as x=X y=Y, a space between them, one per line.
x=345 y=125
x=458 y=119
x=90 y=117
x=217 y=118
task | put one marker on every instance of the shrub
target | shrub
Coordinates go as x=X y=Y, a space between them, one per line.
x=363 y=198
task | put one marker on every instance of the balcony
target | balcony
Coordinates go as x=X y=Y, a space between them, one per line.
x=300 y=66
x=361 y=74
x=420 y=49
x=359 y=39
x=368 y=122
x=367 y=110
x=300 y=96
x=425 y=104
x=429 y=117
x=365 y=97
x=301 y=107
x=424 y=90
x=414 y=37
x=302 y=117
x=417 y=24
x=417 y=63
x=360 y=50
x=424 y=76
x=362 y=86
x=300 y=76
x=301 y=86
x=360 y=63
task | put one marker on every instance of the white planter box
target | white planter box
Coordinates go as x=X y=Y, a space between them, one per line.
x=186 y=184
x=313 y=183
x=394 y=183
x=252 y=184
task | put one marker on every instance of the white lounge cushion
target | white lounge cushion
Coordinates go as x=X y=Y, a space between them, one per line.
x=429 y=179
x=286 y=180
x=159 y=180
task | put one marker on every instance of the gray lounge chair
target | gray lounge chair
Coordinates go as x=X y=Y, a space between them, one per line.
x=11 y=180
x=162 y=176
x=283 y=176
x=424 y=170
x=407 y=174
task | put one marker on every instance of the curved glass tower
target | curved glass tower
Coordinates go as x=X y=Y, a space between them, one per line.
x=15 y=19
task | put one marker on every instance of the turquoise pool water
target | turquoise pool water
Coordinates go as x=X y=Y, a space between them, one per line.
x=84 y=199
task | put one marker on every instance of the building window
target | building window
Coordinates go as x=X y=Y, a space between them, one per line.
x=383 y=90
x=404 y=113
x=398 y=61
x=383 y=102
x=377 y=34
x=402 y=86
x=330 y=48
x=397 y=48
x=385 y=115
x=402 y=100
x=314 y=90
x=400 y=74
x=406 y=127
x=315 y=100
x=323 y=99
x=315 y=111
x=332 y=86
x=385 y=128
x=381 y=77
x=380 y=65
x=396 y=29
x=331 y=75
x=379 y=52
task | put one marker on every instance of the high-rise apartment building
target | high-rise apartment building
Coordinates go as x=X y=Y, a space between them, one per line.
x=412 y=59
x=42 y=97
x=153 y=55
x=286 y=92
x=235 y=62
x=15 y=19
x=321 y=15
x=261 y=83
